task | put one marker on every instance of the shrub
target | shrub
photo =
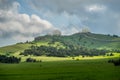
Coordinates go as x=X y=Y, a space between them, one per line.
x=77 y=59
x=30 y=60
x=115 y=62
x=11 y=59
x=73 y=58
x=110 y=61
x=40 y=61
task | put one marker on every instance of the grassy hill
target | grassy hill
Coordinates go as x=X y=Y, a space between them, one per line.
x=11 y=49
x=89 y=40
x=63 y=68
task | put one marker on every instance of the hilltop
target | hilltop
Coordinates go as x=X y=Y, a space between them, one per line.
x=89 y=40
x=77 y=40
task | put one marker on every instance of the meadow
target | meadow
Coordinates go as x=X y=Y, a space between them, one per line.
x=63 y=68
x=84 y=69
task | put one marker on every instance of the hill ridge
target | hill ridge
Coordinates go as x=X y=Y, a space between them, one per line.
x=88 y=40
x=101 y=39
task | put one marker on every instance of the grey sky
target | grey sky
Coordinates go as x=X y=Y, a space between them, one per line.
x=22 y=20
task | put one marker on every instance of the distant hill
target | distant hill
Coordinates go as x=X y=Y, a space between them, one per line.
x=88 y=40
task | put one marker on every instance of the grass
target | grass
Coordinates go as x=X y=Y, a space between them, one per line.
x=88 y=40
x=61 y=70
x=56 y=68
x=45 y=58
x=14 y=48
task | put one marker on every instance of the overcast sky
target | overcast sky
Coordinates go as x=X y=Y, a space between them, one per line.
x=22 y=20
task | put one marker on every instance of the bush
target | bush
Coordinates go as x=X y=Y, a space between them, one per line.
x=30 y=60
x=11 y=59
x=83 y=56
x=77 y=59
x=73 y=58
x=40 y=61
x=115 y=62
x=115 y=36
x=111 y=54
x=110 y=61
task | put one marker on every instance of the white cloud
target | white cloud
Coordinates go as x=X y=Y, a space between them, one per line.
x=21 y=27
x=96 y=8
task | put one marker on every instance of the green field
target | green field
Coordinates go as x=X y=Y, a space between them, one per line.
x=94 y=69
x=63 y=68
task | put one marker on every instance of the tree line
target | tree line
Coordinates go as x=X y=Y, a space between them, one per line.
x=62 y=52
x=11 y=59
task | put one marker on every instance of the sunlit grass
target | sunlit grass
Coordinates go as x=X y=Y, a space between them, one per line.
x=14 y=48
x=41 y=43
x=47 y=59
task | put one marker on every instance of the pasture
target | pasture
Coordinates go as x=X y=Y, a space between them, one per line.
x=86 y=69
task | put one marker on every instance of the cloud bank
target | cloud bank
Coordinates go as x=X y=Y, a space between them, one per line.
x=21 y=27
x=101 y=16
x=22 y=20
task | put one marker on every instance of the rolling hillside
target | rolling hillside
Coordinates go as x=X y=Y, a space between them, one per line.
x=11 y=49
x=88 y=40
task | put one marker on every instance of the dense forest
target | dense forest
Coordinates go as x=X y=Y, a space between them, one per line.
x=61 y=52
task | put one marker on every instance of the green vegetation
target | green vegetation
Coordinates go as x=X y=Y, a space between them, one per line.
x=12 y=59
x=9 y=50
x=61 y=70
x=50 y=58
x=68 y=51
x=115 y=62
x=81 y=56
x=30 y=60
x=87 y=40
x=86 y=44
